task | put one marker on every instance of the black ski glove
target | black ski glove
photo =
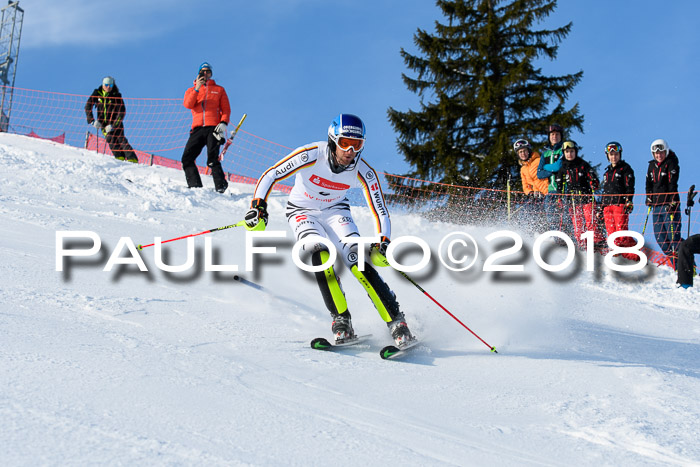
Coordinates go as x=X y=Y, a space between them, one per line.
x=257 y=213
x=377 y=252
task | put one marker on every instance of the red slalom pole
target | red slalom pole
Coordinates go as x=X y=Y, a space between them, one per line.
x=239 y=224
x=493 y=349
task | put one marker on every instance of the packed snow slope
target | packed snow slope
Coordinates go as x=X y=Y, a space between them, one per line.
x=194 y=368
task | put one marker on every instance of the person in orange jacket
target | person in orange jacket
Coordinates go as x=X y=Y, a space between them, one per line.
x=535 y=188
x=529 y=160
x=210 y=116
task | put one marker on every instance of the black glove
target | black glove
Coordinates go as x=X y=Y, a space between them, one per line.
x=629 y=207
x=377 y=252
x=649 y=201
x=672 y=206
x=257 y=213
x=382 y=245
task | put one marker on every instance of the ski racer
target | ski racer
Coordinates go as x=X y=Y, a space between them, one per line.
x=318 y=207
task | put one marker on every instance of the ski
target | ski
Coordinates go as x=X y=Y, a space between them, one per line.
x=321 y=343
x=392 y=351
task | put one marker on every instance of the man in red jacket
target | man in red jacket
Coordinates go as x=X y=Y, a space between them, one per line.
x=210 y=115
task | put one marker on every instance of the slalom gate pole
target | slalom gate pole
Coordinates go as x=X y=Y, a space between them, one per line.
x=239 y=224
x=493 y=349
x=646 y=220
x=230 y=140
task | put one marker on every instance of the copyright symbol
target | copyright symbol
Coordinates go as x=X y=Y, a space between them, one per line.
x=463 y=245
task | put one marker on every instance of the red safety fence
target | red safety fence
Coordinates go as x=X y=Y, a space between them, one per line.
x=158 y=129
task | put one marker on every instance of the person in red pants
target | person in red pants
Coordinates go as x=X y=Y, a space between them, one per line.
x=578 y=179
x=618 y=193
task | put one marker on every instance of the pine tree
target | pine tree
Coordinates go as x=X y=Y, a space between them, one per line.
x=480 y=91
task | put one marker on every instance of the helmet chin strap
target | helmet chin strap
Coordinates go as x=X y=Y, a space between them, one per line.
x=337 y=167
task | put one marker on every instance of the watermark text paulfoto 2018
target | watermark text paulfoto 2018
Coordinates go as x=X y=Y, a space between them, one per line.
x=457 y=251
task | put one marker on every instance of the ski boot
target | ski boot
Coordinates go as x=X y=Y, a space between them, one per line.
x=342 y=328
x=400 y=332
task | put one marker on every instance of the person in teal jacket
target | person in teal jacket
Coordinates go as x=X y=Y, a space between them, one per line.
x=551 y=158
x=549 y=166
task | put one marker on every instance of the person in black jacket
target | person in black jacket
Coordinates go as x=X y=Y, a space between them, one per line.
x=110 y=118
x=663 y=198
x=578 y=179
x=618 y=193
x=686 y=262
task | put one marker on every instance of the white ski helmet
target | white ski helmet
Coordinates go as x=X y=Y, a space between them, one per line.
x=520 y=144
x=659 y=145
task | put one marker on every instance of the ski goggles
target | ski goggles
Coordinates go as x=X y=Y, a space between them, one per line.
x=658 y=148
x=520 y=144
x=612 y=147
x=356 y=144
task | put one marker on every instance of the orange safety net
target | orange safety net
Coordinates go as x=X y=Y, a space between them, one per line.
x=158 y=129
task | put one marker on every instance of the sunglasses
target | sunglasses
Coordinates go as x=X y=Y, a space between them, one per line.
x=658 y=148
x=346 y=143
x=107 y=85
x=612 y=147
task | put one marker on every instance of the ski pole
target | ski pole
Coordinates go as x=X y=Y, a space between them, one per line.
x=689 y=204
x=230 y=140
x=239 y=224
x=493 y=349
x=508 y=195
x=673 y=243
x=646 y=220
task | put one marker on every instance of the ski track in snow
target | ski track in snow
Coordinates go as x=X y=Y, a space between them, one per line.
x=135 y=368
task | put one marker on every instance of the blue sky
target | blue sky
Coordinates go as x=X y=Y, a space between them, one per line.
x=292 y=65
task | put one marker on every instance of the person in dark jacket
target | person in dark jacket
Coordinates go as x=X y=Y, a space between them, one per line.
x=686 y=262
x=618 y=194
x=210 y=115
x=663 y=198
x=108 y=102
x=578 y=179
